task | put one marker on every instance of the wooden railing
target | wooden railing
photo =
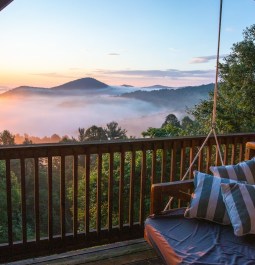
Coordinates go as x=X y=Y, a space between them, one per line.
x=66 y=196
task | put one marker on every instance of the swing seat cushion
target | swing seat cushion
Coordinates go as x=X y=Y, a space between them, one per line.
x=192 y=241
x=243 y=171
x=240 y=203
x=207 y=201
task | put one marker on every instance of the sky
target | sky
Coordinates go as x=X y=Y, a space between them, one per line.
x=137 y=42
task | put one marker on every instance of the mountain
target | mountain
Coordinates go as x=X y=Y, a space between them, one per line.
x=83 y=83
x=173 y=98
x=26 y=91
x=158 y=86
x=165 y=97
x=67 y=88
x=124 y=85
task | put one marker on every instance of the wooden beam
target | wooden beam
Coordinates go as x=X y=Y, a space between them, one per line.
x=4 y=3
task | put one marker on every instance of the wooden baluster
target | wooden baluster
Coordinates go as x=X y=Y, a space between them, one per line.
x=217 y=156
x=121 y=189
x=99 y=192
x=153 y=165
x=87 y=193
x=62 y=198
x=208 y=156
x=131 y=191
x=163 y=164
x=226 y=152
x=110 y=192
x=183 y=160
x=142 y=189
x=233 y=154
x=36 y=200
x=9 y=201
x=173 y=163
x=50 y=215
x=75 y=195
x=201 y=160
x=191 y=158
x=23 y=200
x=242 y=150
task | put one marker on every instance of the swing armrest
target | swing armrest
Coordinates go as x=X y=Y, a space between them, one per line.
x=178 y=189
x=250 y=150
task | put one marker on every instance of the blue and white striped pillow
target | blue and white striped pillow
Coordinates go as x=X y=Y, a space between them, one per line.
x=207 y=202
x=240 y=203
x=243 y=171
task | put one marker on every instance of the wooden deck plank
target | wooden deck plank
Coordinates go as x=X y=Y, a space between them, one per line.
x=135 y=252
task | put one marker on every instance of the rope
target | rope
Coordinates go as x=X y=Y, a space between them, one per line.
x=217 y=70
x=213 y=126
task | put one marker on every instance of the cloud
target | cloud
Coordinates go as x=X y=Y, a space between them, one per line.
x=170 y=73
x=54 y=75
x=74 y=68
x=2 y=90
x=64 y=115
x=173 y=50
x=113 y=54
x=229 y=29
x=205 y=59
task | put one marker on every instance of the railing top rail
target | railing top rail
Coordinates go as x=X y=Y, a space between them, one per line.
x=90 y=147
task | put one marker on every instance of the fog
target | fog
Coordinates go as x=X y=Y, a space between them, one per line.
x=63 y=113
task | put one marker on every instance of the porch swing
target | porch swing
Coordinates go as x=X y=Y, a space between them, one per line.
x=202 y=232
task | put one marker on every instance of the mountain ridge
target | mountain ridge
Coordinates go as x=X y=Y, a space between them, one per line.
x=82 y=83
x=189 y=95
x=176 y=98
x=86 y=83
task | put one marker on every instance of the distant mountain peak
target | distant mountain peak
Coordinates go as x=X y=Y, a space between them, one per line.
x=158 y=86
x=82 y=83
x=125 y=85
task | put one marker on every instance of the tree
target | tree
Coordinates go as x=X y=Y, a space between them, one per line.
x=236 y=97
x=81 y=136
x=65 y=140
x=95 y=133
x=171 y=119
x=186 y=122
x=114 y=131
x=27 y=141
x=6 y=138
x=55 y=138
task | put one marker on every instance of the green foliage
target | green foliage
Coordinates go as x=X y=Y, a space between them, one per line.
x=95 y=133
x=16 y=207
x=6 y=138
x=171 y=119
x=114 y=131
x=27 y=141
x=173 y=127
x=236 y=97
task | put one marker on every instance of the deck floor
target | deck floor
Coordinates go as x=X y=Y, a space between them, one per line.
x=133 y=252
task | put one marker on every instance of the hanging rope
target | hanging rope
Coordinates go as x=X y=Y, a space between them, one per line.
x=217 y=71
x=213 y=125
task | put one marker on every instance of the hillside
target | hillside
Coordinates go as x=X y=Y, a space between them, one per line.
x=83 y=83
x=70 y=87
x=173 y=98
x=157 y=86
x=25 y=91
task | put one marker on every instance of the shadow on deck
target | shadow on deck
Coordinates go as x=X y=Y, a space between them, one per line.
x=135 y=252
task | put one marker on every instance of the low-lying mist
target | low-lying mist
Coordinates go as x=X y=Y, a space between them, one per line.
x=46 y=114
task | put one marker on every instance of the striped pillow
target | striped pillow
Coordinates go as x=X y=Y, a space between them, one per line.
x=207 y=202
x=244 y=171
x=240 y=203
